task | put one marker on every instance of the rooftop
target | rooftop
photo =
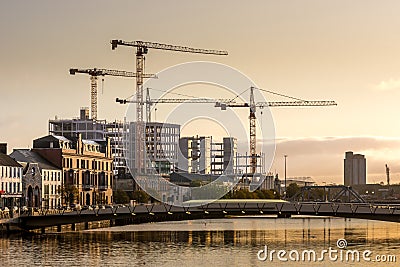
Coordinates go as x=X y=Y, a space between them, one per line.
x=8 y=161
x=28 y=156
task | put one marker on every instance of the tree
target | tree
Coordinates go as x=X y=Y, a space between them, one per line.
x=69 y=194
x=141 y=196
x=120 y=197
x=292 y=190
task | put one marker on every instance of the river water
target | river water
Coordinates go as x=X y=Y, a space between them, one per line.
x=214 y=242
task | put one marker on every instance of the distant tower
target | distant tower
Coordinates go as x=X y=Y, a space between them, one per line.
x=355 y=170
x=387 y=174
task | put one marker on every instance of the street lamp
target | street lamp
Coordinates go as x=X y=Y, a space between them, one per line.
x=285 y=177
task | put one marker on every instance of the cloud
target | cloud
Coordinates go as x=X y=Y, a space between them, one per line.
x=323 y=157
x=391 y=84
x=337 y=145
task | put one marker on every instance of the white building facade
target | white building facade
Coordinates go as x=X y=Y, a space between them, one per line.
x=11 y=181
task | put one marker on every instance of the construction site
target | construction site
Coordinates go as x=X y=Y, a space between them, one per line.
x=146 y=148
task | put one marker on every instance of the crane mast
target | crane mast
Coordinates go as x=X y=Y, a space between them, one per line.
x=253 y=130
x=142 y=49
x=94 y=73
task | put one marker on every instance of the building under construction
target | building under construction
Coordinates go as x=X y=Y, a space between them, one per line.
x=201 y=155
x=161 y=145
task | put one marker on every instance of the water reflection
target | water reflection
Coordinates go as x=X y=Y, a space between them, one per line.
x=224 y=242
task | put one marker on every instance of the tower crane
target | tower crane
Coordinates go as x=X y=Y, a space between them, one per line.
x=252 y=105
x=94 y=73
x=142 y=49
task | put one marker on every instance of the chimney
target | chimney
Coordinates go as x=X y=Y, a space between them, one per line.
x=3 y=148
x=79 y=144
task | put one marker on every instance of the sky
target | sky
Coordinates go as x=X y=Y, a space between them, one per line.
x=339 y=50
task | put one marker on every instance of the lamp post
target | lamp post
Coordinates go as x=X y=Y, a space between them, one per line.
x=285 y=177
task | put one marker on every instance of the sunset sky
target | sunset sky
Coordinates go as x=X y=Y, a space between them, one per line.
x=341 y=50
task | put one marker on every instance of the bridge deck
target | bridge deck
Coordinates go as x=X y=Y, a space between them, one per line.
x=164 y=212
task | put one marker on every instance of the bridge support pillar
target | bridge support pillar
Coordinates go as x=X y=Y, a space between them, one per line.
x=58 y=228
x=73 y=227
x=112 y=222
x=86 y=226
x=43 y=230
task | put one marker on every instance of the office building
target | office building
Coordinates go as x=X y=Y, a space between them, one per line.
x=355 y=169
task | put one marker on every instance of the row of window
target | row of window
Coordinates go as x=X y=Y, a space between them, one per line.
x=11 y=187
x=100 y=179
x=51 y=189
x=87 y=164
x=52 y=176
x=11 y=172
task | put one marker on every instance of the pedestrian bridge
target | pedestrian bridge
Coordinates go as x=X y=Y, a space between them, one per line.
x=126 y=214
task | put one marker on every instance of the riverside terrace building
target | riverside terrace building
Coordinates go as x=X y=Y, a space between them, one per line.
x=41 y=182
x=86 y=165
x=10 y=179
